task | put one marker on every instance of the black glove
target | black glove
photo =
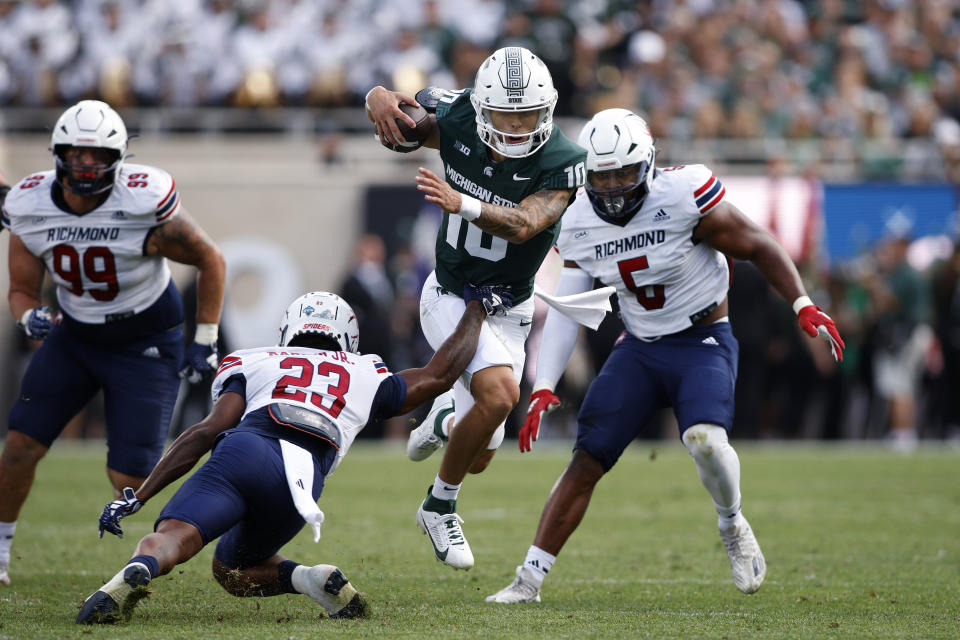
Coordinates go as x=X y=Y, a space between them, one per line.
x=496 y=298
x=200 y=362
x=113 y=512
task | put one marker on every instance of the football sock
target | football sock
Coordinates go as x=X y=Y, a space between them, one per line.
x=443 y=491
x=718 y=466
x=151 y=563
x=6 y=539
x=285 y=576
x=539 y=562
x=443 y=423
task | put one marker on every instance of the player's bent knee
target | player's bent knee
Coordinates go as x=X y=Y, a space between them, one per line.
x=704 y=440
x=584 y=468
x=497 y=392
x=21 y=449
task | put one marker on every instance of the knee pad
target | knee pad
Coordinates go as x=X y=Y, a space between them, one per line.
x=705 y=440
x=496 y=439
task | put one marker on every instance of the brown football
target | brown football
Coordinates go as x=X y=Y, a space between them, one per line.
x=416 y=136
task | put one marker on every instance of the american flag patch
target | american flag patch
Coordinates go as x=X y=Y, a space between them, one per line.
x=381 y=367
x=709 y=195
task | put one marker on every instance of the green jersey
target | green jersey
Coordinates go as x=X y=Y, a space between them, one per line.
x=465 y=252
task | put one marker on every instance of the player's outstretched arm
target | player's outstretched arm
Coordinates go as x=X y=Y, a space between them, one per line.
x=535 y=213
x=728 y=230
x=192 y=444
x=448 y=362
x=383 y=108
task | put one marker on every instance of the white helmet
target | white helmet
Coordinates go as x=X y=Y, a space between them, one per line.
x=323 y=313
x=89 y=123
x=514 y=79
x=618 y=140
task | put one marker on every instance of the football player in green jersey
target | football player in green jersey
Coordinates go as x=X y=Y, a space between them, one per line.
x=509 y=174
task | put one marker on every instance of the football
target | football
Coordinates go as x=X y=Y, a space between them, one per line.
x=416 y=136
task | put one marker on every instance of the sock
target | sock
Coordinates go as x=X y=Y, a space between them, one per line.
x=6 y=539
x=443 y=423
x=539 y=562
x=151 y=563
x=285 y=575
x=436 y=505
x=444 y=491
x=728 y=516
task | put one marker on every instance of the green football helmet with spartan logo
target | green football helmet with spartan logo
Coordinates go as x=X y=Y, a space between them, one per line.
x=514 y=79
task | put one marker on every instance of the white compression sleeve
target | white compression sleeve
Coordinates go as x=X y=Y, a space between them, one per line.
x=559 y=331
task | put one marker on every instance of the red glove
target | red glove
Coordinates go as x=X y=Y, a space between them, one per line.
x=815 y=322
x=542 y=402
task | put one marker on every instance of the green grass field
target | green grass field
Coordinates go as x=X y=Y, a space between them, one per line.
x=860 y=543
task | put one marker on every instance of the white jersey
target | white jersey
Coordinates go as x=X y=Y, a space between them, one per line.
x=339 y=385
x=665 y=281
x=97 y=259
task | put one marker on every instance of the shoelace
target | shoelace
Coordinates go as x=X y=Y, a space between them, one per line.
x=731 y=541
x=454 y=532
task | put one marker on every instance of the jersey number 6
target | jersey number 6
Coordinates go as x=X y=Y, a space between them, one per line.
x=649 y=296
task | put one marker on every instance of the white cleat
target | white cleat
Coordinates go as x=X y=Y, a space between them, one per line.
x=327 y=585
x=117 y=598
x=523 y=589
x=4 y=573
x=429 y=437
x=446 y=536
x=746 y=561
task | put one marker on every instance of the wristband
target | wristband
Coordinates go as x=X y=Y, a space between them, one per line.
x=366 y=101
x=207 y=333
x=800 y=303
x=540 y=386
x=469 y=207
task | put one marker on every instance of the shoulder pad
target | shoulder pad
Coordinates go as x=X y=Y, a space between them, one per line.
x=429 y=98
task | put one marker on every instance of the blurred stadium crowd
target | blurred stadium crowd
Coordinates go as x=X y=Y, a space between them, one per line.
x=834 y=69
x=842 y=73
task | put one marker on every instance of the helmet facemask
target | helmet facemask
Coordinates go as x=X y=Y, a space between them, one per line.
x=85 y=179
x=500 y=141
x=621 y=201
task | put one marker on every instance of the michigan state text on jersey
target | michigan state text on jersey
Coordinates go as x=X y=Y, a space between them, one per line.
x=466 y=253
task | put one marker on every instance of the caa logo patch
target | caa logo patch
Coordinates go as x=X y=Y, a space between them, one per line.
x=580 y=234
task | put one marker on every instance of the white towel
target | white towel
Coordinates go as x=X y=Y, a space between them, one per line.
x=298 y=465
x=587 y=308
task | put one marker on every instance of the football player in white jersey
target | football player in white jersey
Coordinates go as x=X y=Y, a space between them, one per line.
x=103 y=229
x=661 y=237
x=283 y=418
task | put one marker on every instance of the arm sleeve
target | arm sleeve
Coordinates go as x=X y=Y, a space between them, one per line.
x=559 y=331
x=236 y=383
x=389 y=398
